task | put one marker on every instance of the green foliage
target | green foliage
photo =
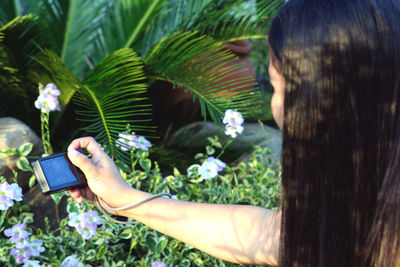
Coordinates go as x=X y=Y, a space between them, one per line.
x=255 y=182
x=197 y=63
x=19 y=44
x=20 y=154
x=112 y=97
x=74 y=42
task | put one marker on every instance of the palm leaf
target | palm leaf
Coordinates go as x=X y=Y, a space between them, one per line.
x=178 y=15
x=240 y=21
x=22 y=38
x=125 y=24
x=49 y=68
x=201 y=65
x=9 y=9
x=112 y=97
x=72 y=25
x=10 y=88
x=224 y=20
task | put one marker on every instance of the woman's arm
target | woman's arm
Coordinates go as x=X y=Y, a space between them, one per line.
x=236 y=233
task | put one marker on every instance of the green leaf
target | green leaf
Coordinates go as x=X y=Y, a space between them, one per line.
x=32 y=181
x=125 y=23
x=126 y=234
x=57 y=197
x=193 y=171
x=162 y=244
x=145 y=164
x=73 y=206
x=90 y=254
x=23 y=164
x=8 y=152
x=210 y=150
x=21 y=39
x=176 y=172
x=239 y=20
x=184 y=263
x=112 y=97
x=9 y=10
x=214 y=75
x=50 y=69
x=25 y=149
x=120 y=264
x=151 y=242
x=72 y=25
x=101 y=252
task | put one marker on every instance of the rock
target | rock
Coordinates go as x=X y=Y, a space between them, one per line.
x=14 y=133
x=193 y=139
x=43 y=206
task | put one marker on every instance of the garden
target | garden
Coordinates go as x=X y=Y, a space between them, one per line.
x=174 y=90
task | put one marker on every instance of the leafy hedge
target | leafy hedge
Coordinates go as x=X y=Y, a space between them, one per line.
x=255 y=182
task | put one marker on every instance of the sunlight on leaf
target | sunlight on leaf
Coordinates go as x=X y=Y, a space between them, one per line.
x=112 y=97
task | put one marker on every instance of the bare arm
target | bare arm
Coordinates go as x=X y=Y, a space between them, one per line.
x=236 y=233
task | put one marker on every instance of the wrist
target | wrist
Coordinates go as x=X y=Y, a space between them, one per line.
x=124 y=198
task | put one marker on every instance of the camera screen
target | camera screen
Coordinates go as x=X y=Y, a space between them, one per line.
x=57 y=171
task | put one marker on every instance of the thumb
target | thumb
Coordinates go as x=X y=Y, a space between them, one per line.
x=81 y=161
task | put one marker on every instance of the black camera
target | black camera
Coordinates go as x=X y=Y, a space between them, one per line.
x=56 y=173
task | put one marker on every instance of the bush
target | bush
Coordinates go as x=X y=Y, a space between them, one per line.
x=256 y=182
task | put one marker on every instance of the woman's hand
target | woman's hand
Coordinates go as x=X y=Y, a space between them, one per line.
x=102 y=175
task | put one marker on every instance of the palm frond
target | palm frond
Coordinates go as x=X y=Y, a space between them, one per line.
x=201 y=65
x=10 y=84
x=9 y=9
x=223 y=20
x=72 y=25
x=22 y=38
x=177 y=15
x=125 y=24
x=49 y=68
x=241 y=21
x=112 y=97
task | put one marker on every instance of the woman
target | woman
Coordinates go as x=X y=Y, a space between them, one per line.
x=335 y=67
x=341 y=141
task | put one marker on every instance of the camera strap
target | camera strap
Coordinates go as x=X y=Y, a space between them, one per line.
x=105 y=208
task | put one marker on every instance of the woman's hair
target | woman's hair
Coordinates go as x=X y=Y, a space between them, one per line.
x=341 y=132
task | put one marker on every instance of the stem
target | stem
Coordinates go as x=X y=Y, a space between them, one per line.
x=225 y=147
x=17 y=8
x=45 y=129
x=131 y=246
x=67 y=30
x=57 y=213
x=141 y=24
x=3 y=216
x=103 y=120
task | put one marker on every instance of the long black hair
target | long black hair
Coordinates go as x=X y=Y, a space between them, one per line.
x=341 y=132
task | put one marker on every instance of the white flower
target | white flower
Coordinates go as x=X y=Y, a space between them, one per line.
x=31 y=263
x=233 y=130
x=16 y=192
x=17 y=233
x=233 y=118
x=8 y=193
x=220 y=164
x=208 y=170
x=51 y=89
x=85 y=223
x=233 y=121
x=48 y=98
x=71 y=261
x=127 y=141
x=36 y=247
x=143 y=143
